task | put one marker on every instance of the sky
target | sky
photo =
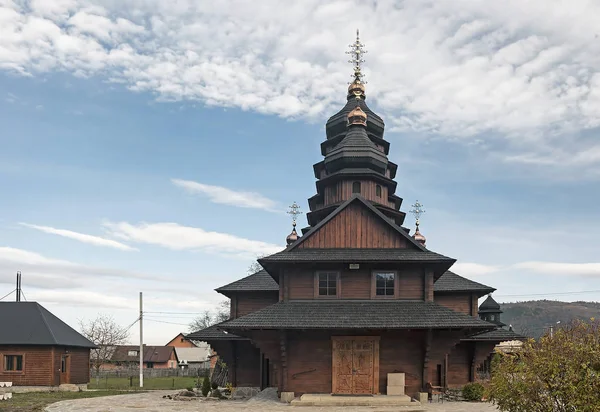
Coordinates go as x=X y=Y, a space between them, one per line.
x=151 y=146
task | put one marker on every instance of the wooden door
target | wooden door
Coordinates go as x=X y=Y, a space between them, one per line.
x=65 y=369
x=355 y=365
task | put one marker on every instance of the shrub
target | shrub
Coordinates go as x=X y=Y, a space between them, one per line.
x=214 y=385
x=473 y=391
x=216 y=393
x=190 y=389
x=205 y=387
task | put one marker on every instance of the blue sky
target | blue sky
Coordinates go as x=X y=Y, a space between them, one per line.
x=153 y=148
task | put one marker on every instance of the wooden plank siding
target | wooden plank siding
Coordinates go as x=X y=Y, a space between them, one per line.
x=459 y=365
x=355 y=227
x=460 y=302
x=341 y=191
x=248 y=302
x=354 y=284
x=41 y=365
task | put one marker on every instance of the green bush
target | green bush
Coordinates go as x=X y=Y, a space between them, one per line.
x=215 y=385
x=189 y=388
x=205 y=387
x=473 y=391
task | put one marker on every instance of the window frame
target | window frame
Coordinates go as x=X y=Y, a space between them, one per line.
x=338 y=285
x=357 y=182
x=374 y=294
x=378 y=191
x=4 y=361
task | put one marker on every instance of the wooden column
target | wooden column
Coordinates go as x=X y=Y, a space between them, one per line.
x=233 y=368
x=283 y=380
x=426 y=353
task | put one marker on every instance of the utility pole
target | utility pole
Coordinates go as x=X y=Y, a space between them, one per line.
x=18 y=286
x=141 y=343
x=551 y=331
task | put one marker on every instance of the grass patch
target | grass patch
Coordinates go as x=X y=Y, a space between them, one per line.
x=37 y=401
x=178 y=382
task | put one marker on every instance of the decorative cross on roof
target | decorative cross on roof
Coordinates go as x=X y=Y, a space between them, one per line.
x=357 y=51
x=417 y=210
x=294 y=212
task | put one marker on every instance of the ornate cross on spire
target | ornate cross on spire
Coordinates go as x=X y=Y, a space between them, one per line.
x=417 y=210
x=357 y=51
x=294 y=212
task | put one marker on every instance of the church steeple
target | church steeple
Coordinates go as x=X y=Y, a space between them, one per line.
x=355 y=155
x=490 y=311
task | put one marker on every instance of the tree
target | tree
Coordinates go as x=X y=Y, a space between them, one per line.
x=209 y=318
x=104 y=332
x=255 y=266
x=559 y=373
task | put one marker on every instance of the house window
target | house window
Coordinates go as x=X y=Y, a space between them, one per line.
x=492 y=318
x=132 y=353
x=378 y=191
x=63 y=364
x=13 y=363
x=384 y=283
x=327 y=283
x=356 y=187
x=150 y=365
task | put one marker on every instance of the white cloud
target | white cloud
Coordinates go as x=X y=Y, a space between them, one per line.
x=93 y=240
x=225 y=196
x=47 y=272
x=473 y=269
x=522 y=75
x=559 y=268
x=177 y=237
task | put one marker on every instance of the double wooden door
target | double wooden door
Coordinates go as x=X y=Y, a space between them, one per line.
x=355 y=365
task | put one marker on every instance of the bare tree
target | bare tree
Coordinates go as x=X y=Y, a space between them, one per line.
x=209 y=318
x=105 y=333
x=255 y=266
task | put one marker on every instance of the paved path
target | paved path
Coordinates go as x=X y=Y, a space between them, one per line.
x=153 y=402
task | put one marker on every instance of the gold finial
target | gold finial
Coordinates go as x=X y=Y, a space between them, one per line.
x=357 y=86
x=417 y=210
x=294 y=212
x=357 y=116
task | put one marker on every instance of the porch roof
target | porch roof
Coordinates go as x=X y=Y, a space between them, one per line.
x=356 y=314
x=450 y=282
x=212 y=333
x=357 y=255
x=496 y=335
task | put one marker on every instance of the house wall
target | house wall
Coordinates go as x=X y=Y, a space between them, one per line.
x=460 y=302
x=355 y=227
x=41 y=365
x=180 y=342
x=245 y=303
x=341 y=191
x=459 y=365
x=242 y=360
x=356 y=284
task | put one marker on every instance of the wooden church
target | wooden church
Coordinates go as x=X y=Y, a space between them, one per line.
x=356 y=297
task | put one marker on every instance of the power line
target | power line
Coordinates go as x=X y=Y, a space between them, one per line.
x=8 y=294
x=170 y=323
x=550 y=294
x=176 y=313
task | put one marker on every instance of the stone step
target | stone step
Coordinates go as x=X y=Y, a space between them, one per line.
x=405 y=402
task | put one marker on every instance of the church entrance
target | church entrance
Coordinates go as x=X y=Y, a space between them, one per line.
x=355 y=365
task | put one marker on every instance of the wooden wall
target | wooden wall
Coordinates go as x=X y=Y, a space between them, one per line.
x=459 y=365
x=247 y=364
x=341 y=191
x=41 y=365
x=355 y=227
x=248 y=302
x=459 y=302
x=355 y=284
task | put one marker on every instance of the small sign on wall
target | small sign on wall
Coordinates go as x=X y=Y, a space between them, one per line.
x=354 y=266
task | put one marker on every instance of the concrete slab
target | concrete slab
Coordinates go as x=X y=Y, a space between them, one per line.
x=376 y=400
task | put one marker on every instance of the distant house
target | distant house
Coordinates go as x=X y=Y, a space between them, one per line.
x=180 y=341
x=39 y=349
x=155 y=357
x=192 y=355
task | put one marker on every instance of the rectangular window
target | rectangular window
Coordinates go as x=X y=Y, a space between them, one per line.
x=384 y=284
x=327 y=283
x=13 y=363
x=132 y=353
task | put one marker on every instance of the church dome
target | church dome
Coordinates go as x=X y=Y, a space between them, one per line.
x=292 y=237
x=357 y=116
x=419 y=237
x=489 y=306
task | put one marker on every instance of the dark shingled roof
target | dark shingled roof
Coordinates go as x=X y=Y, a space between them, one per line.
x=213 y=333
x=497 y=335
x=29 y=323
x=158 y=354
x=355 y=314
x=489 y=306
x=257 y=282
x=357 y=255
x=451 y=282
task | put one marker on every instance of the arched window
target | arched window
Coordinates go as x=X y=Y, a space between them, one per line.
x=356 y=187
x=378 y=191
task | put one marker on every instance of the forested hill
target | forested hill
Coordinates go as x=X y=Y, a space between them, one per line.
x=533 y=318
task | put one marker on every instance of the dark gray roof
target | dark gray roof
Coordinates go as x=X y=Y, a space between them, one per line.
x=213 y=333
x=357 y=255
x=29 y=323
x=497 y=335
x=451 y=282
x=257 y=282
x=355 y=314
x=489 y=306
